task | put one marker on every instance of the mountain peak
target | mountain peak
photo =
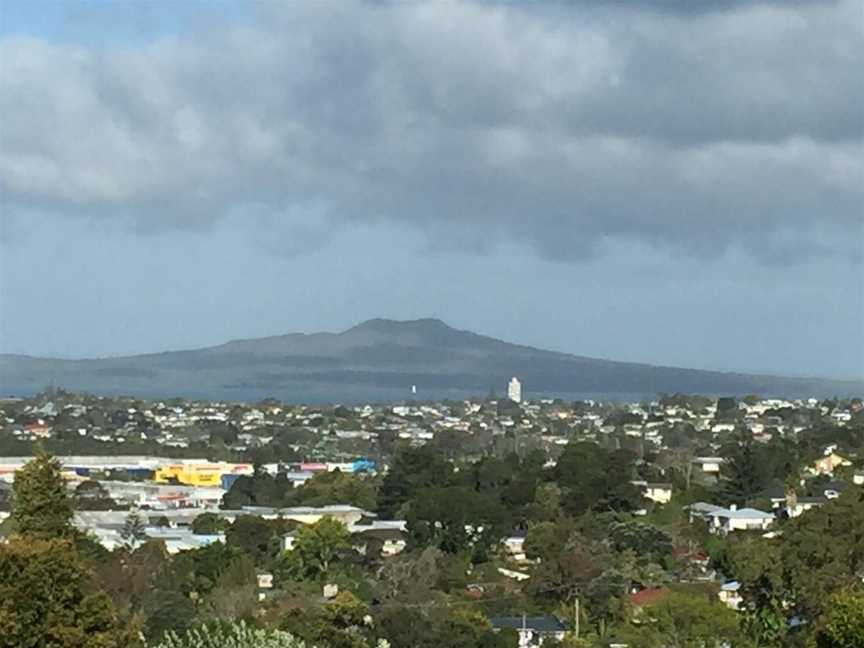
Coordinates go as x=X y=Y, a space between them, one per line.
x=426 y=324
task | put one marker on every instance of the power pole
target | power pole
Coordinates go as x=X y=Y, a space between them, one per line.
x=576 y=620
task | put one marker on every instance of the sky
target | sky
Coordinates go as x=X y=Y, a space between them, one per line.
x=678 y=182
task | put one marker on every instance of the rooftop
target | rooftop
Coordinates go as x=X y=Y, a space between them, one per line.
x=538 y=624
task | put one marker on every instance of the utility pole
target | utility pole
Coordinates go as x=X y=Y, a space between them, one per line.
x=576 y=619
x=524 y=634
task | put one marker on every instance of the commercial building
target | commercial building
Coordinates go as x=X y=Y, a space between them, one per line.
x=193 y=473
x=514 y=390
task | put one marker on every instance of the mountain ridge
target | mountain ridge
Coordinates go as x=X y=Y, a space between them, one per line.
x=381 y=359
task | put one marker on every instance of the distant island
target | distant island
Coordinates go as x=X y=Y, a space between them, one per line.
x=386 y=360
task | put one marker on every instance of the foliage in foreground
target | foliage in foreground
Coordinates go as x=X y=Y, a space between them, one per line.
x=46 y=602
x=843 y=626
x=237 y=635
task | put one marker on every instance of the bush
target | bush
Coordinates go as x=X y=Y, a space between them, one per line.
x=230 y=635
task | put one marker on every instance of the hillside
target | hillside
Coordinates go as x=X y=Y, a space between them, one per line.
x=381 y=360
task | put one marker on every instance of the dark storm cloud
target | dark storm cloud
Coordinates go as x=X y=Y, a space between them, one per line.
x=555 y=127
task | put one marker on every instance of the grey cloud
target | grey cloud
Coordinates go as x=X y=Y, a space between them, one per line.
x=472 y=122
x=692 y=7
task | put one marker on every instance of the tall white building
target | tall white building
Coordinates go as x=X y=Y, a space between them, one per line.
x=514 y=390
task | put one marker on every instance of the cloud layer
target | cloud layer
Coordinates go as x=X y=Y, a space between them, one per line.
x=559 y=126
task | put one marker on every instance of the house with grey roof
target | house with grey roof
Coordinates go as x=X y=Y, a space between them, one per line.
x=532 y=631
x=725 y=520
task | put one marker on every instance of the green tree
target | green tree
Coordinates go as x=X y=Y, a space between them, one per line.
x=337 y=488
x=818 y=555
x=843 y=624
x=47 y=599
x=413 y=469
x=196 y=572
x=168 y=610
x=209 y=524
x=341 y=623
x=316 y=547
x=410 y=577
x=758 y=564
x=456 y=518
x=569 y=562
x=685 y=620
x=592 y=477
x=823 y=552
x=90 y=495
x=256 y=537
x=41 y=506
x=465 y=628
x=129 y=578
x=133 y=533
x=260 y=489
x=546 y=506
x=745 y=469
x=647 y=541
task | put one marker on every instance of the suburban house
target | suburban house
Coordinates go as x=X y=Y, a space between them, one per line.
x=828 y=464
x=387 y=536
x=730 y=594
x=798 y=505
x=776 y=495
x=347 y=515
x=514 y=545
x=532 y=631
x=723 y=521
x=656 y=492
x=710 y=466
x=833 y=489
x=647 y=596
x=644 y=598
x=264 y=581
x=515 y=575
x=387 y=540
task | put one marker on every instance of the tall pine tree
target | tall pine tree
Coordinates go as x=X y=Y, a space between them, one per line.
x=41 y=506
x=47 y=596
x=745 y=470
x=133 y=533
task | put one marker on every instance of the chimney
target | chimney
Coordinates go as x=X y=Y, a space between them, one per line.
x=791 y=499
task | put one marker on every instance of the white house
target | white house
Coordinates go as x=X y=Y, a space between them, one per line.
x=745 y=519
x=515 y=547
x=532 y=631
x=730 y=594
x=723 y=521
x=708 y=465
x=660 y=493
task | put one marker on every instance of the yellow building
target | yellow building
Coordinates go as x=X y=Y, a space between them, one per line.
x=192 y=474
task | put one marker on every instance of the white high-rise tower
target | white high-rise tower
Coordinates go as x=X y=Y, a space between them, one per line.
x=514 y=390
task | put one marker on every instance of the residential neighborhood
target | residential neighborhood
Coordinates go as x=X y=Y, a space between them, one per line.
x=666 y=498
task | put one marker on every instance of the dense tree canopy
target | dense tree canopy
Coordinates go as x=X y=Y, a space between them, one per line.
x=843 y=624
x=47 y=599
x=316 y=547
x=593 y=478
x=684 y=621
